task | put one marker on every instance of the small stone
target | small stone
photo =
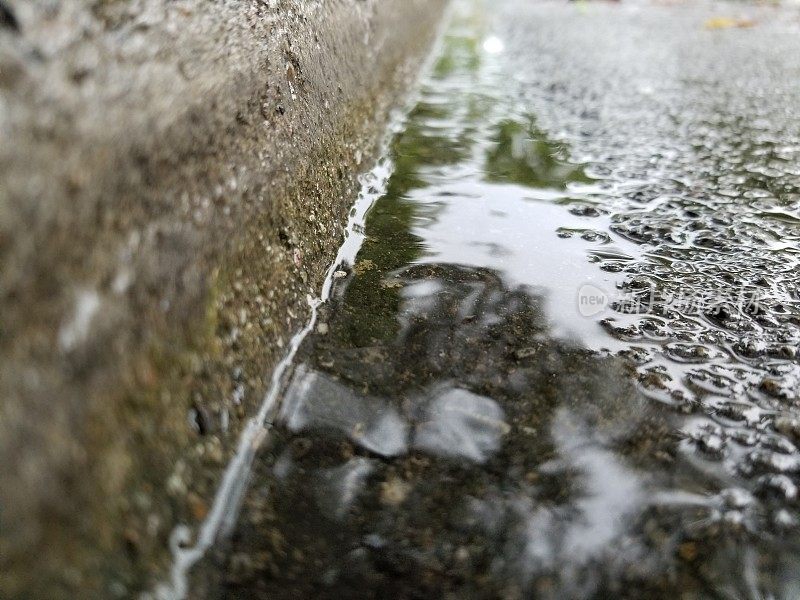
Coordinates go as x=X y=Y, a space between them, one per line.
x=688 y=551
x=240 y=566
x=523 y=353
x=197 y=506
x=777 y=388
x=364 y=266
x=394 y=491
x=789 y=427
x=213 y=451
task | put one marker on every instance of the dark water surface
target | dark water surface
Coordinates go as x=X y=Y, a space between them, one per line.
x=564 y=362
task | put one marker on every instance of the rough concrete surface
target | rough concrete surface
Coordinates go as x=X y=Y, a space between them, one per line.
x=174 y=176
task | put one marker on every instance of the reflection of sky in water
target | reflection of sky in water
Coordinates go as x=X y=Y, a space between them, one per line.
x=606 y=496
x=459 y=423
x=609 y=491
x=512 y=229
x=449 y=422
x=315 y=400
x=453 y=423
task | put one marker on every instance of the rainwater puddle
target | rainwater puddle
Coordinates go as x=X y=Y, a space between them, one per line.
x=542 y=376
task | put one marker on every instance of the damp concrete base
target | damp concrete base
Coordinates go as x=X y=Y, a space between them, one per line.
x=174 y=179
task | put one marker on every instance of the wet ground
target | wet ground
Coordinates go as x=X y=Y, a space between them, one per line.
x=563 y=363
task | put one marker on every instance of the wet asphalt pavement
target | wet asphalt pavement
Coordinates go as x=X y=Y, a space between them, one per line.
x=564 y=362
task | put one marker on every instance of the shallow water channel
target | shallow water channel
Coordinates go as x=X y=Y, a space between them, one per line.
x=563 y=363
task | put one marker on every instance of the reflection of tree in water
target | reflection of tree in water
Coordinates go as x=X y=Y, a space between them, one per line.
x=468 y=453
x=524 y=155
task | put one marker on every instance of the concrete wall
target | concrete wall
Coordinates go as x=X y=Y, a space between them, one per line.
x=174 y=177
